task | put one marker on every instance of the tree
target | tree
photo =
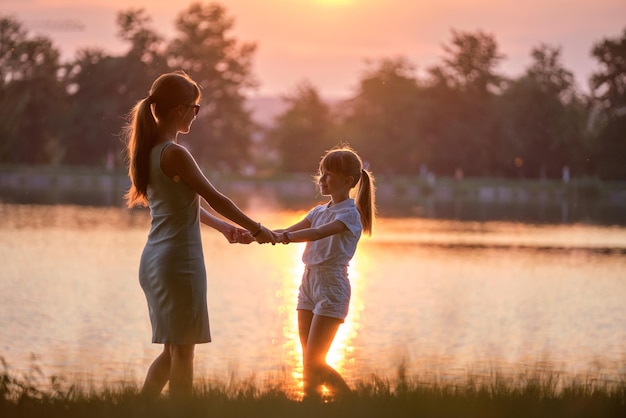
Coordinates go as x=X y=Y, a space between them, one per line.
x=30 y=96
x=303 y=132
x=222 y=66
x=103 y=88
x=146 y=45
x=471 y=62
x=609 y=92
x=609 y=82
x=543 y=119
x=382 y=120
x=96 y=113
x=460 y=123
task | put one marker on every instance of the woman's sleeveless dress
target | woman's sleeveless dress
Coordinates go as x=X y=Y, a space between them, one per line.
x=172 y=272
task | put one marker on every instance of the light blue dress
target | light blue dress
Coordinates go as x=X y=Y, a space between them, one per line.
x=172 y=272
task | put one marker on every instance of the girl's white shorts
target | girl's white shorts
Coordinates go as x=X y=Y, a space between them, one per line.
x=325 y=290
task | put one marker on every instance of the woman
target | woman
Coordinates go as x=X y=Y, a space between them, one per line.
x=165 y=176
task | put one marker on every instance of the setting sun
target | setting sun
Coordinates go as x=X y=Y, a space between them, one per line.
x=334 y=2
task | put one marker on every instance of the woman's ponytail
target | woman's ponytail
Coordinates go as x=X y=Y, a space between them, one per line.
x=140 y=135
x=167 y=91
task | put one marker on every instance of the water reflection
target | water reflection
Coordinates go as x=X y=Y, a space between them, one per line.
x=288 y=292
x=440 y=295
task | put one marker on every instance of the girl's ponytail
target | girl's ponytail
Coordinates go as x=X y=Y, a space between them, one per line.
x=366 y=201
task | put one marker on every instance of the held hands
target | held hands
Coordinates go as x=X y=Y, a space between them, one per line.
x=282 y=236
x=242 y=236
x=236 y=235
x=264 y=235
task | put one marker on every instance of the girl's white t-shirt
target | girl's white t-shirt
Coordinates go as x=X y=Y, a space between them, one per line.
x=336 y=249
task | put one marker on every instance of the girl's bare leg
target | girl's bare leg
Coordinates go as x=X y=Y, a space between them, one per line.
x=181 y=370
x=316 y=335
x=158 y=374
x=305 y=318
x=304 y=325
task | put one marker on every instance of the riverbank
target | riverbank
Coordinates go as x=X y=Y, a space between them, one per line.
x=539 y=393
x=573 y=200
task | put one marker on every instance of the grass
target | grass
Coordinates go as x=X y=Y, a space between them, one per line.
x=539 y=392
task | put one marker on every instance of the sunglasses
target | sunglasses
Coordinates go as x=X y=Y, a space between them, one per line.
x=196 y=108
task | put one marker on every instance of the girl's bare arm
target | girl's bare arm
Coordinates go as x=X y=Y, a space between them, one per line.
x=312 y=234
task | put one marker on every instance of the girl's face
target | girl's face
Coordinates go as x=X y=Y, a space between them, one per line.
x=333 y=183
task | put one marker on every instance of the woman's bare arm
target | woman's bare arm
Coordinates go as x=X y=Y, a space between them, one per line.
x=177 y=162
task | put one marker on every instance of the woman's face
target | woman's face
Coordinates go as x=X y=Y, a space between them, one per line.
x=188 y=115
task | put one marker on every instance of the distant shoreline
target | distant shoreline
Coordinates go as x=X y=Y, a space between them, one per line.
x=399 y=187
x=471 y=198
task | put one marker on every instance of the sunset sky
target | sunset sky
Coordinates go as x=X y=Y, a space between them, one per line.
x=328 y=41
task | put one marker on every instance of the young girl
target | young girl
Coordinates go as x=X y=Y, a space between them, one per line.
x=165 y=176
x=332 y=232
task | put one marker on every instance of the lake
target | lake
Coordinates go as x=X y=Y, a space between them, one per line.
x=444 y=298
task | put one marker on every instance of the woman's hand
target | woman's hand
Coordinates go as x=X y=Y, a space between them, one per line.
x=242 y=236
x=236 y=235
x=229 y=231
x=264 y=235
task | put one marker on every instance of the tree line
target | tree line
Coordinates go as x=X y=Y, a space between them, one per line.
x=462 y=117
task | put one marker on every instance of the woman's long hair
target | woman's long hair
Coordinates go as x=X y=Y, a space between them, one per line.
x=140 y=133
x=346 y=161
